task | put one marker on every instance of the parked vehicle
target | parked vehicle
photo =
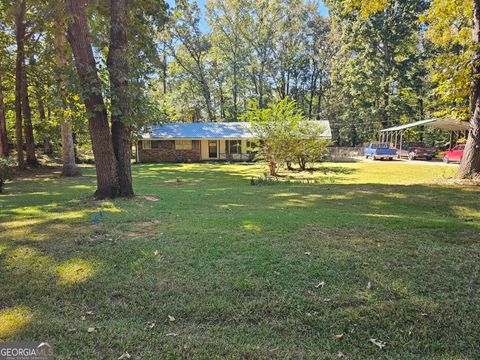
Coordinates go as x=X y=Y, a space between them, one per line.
x=454 y=154
x=417 y=150
x=379 y=150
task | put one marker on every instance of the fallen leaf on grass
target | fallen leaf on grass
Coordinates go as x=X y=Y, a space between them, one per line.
x=91 y=329
x=307 y=253
x=369 y=285
x=172 y=334
x=381 y=344
x=83 y=318
x=340 y=354
x=171 y=318
x=320 y=284
x=71 y=330
x=155 y=252
x=339 y=336
x=89 y=313
x=276 y=273
x=150 y=325
x=125 y=356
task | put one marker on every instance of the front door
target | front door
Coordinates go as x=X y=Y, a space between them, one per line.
x=212 y=149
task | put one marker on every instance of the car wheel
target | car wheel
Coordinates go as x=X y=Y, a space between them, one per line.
x=429 y=158
x=390 y=159
x=446 y=160
x=374 y=158
x=366 y=156
x=411 y=156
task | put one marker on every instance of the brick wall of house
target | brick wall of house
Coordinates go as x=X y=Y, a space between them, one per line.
x=168 y=153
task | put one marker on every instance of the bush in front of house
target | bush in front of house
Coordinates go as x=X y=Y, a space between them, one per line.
x=284 y=135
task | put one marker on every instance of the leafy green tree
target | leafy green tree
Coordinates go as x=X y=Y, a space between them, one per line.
x=189 y=47
x=284 y=134
x=230 y=51
x=378 y=69
x=448 y=36
x=306 y=143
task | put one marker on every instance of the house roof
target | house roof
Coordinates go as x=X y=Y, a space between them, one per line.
x=208 y=130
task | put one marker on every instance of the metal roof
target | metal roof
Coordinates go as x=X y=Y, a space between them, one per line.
x=441 y=123
x=208 y=130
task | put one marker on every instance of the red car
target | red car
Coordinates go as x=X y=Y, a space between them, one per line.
x=454 y=154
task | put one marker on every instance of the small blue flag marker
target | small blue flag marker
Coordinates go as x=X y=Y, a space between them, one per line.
x=95 y=220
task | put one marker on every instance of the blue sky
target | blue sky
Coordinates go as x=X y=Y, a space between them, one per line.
x=323 y=10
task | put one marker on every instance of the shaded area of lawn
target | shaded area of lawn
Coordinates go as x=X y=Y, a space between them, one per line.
x=228 y=261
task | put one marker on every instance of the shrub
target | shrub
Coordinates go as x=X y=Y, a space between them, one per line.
x=6 y=171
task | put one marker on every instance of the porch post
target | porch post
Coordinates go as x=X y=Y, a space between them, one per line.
x=137 y=154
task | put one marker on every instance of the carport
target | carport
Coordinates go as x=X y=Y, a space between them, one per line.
x=395 y=134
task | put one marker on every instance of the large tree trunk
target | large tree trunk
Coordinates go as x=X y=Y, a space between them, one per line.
x=69 y=167
x=470 y=165
x=4 y=151
x=20 y=40
x=27 y=122
x=117 y=63
x=105 y=162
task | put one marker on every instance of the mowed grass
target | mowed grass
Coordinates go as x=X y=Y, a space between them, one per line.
x=204 y=265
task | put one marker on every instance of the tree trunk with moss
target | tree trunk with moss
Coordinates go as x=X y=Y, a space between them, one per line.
x=69 y=167
x=117 y=63
x=105 y=161
x=4 y=151
x=20 y=8
x=470 y=165
x=27 y=123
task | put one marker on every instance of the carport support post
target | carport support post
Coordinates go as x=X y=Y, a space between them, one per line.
x=401 y=141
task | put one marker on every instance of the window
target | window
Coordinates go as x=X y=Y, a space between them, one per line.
x=234 y=147
x=155 y=144
x=183 y=144
x=146 y=144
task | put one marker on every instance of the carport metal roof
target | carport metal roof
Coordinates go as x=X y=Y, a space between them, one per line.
x=441 y=123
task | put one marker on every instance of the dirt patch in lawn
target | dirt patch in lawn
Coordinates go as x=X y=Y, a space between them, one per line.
x=142 y=228
x=178 y=182
x=147 y=198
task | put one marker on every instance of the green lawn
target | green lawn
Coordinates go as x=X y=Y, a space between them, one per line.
x=237 y=265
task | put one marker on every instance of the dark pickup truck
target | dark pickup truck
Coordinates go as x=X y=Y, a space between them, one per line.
x=417 y=150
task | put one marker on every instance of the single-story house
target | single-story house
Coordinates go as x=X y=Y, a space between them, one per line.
x=194 y=142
